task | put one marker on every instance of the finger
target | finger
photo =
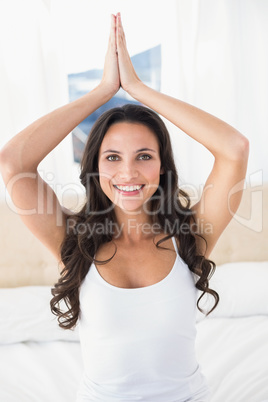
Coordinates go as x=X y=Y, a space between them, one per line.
x=119 y=22
x=122 y=33
x=117 y=30
x=120 y=36
x=112 y=38
x=112 y=30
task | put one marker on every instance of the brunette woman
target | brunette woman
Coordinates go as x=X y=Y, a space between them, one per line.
x=133 y=259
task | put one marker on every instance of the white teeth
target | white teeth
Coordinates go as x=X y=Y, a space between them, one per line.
x=129 y=188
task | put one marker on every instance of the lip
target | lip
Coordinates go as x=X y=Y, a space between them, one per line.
x=129 y=193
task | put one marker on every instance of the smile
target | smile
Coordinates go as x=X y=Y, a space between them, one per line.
x=129 y=189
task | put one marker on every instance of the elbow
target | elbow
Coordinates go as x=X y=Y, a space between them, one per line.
x=240 y=149
x=243 y=148
x=12 y=162
x=4 y=158
x=5 y=162
x=8 y=162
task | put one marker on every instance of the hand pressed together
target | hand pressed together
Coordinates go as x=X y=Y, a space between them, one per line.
x=110 y=77
x=128 y=76
x=118 y=68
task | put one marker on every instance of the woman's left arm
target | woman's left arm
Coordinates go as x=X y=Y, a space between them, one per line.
x=223 y=189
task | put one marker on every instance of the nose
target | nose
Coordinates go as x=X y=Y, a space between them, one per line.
x=128 y=171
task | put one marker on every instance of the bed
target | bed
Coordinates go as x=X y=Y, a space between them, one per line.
x=42 y=363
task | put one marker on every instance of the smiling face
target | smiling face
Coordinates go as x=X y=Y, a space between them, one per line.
x=129 y=165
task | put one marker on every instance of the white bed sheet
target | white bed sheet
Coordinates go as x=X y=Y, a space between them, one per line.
x=233 y=353
x=39 y=362
x=40 y=371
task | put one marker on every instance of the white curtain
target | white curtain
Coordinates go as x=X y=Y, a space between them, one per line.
x=41 y=41
x=215 y=56
x=33 y=80
x=85 y=25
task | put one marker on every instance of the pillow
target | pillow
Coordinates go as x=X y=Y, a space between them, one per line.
x=25 y=315
x=242 y=287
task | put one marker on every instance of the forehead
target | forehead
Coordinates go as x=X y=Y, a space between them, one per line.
x=125 y=134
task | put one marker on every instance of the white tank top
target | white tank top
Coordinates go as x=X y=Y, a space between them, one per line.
x=139 y=344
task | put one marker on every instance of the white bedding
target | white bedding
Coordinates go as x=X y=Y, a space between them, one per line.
x=233 y=353
x=39 y=362
x=40 y=371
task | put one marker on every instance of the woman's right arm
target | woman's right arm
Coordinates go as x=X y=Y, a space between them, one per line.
x=34 y=199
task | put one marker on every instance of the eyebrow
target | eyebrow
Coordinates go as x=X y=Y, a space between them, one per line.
x=139 y=150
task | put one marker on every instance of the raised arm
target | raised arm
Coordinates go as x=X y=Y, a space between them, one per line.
x=223 y=189
x=21 y=156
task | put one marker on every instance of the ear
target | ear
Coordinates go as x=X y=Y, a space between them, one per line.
x=162 y=170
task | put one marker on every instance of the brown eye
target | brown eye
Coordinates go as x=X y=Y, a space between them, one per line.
x=145 y=157
x=112 y=158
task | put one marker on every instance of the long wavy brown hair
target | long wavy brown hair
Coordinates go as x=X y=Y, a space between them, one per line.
x=169 y=208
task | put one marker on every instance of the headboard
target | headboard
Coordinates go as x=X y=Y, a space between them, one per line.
x=25 y=261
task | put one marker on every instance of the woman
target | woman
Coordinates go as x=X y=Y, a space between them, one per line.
x=132 y=259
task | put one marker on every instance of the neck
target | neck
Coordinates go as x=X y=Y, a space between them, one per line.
x=135 y=226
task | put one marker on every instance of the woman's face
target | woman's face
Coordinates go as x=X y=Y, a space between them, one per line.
x=129 y=165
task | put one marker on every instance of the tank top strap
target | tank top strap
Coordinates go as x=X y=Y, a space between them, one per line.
x=175 y=244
